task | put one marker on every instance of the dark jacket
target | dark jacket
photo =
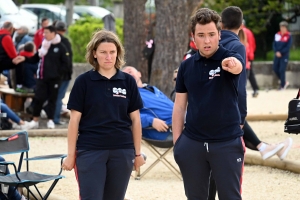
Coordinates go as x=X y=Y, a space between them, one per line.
x=232 y=42
x=54 y=64
x=66 y=42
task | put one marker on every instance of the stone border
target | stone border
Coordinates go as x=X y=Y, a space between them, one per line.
x=287 y=165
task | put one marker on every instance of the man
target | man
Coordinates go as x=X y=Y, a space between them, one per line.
x=8 y=51
x=206 y=118
x=55 y=62
x=232 y=18
x=250 y=55
x=281 y=46
x=39 y=35
x=22 y=37
x=157 y=110
x=61 y=28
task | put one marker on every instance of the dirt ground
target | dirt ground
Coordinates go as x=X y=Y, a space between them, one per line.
x=161 y=184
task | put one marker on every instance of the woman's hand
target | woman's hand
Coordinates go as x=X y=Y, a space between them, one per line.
x=138 y=161
x=69 y=163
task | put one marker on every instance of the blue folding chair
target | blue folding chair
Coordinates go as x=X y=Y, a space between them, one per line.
x=18 y=144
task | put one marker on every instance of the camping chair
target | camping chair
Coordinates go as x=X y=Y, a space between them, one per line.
x=18 y=143
x=156 y=146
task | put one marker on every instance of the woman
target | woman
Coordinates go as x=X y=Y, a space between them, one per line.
x=104 y=134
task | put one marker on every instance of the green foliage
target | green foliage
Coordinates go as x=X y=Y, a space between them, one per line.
x=294 y=55
x=119 y=28
x=81 y=32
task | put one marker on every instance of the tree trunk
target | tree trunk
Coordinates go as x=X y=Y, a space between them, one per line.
x=171 y=36
x=70 y=10
x=135 y=36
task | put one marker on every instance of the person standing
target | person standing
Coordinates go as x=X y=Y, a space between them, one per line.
x=208 y=137
x=61 y=28
x=39 y=35
x=104 y=133
x=250 y=56
x=53 y=60
x=281 y=46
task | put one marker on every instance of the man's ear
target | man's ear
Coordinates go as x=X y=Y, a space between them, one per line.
x=139 y=74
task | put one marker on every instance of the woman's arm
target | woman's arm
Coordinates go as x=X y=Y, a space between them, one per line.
x=137 y=137
x=69 y=162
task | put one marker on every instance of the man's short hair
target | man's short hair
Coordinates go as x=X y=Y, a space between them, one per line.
x=7 y=25
x=205 y=16
x=25 y=29
x=284 y=23
x=232 y=18
x=44 y=19
x=29 y=46
x=51 y=28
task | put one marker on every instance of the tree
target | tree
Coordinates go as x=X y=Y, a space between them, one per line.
x=135 y=35
x=171 y=38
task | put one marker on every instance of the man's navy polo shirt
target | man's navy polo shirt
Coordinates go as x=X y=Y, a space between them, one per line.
x=105 y=105
x=212 y=112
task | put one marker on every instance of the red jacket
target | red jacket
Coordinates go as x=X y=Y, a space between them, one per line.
x=251 y=43
x=26 y=53
x=38 y=37
x=8 y=44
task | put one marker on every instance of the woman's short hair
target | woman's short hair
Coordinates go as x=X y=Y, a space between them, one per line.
x=100 y=37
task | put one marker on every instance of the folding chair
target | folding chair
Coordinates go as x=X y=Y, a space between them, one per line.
x=156 y=146
x=18 y=144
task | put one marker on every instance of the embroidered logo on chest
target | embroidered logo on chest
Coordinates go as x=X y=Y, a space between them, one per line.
x=213 y=73
x=119 y=92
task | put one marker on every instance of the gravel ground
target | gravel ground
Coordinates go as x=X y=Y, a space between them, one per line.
x=160 y=184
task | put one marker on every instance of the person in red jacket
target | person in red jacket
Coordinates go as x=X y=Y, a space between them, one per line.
x=250 y=56
x=8 y=51
x=39 y=35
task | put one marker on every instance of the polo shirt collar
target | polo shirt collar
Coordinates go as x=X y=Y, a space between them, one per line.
x=218 y=55
x=95 y=75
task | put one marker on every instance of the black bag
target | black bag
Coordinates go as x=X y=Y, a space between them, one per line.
x=5 y=124
x=292 y=124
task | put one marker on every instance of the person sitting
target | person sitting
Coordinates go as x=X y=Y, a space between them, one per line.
x=157 y=110
x=29 y=69
x=13 y=193
x=17 y=123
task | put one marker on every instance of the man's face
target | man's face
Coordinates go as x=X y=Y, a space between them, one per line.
x=207 y=38
x=49 y=35
x=45 y=23
x=133 y=72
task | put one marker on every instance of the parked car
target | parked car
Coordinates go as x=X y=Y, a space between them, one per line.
x=94 y=11
x=10 y=12
x=50 y=11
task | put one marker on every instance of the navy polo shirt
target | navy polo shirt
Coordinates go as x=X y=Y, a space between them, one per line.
x=105 y=105
x=212 y=112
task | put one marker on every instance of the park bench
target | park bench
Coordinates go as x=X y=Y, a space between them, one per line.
x=14 y=100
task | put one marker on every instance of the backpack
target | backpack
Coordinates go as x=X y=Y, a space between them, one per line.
x=292 y=124
x=5 y=124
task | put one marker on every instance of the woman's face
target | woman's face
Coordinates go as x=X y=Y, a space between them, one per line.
x=106 y=55
x=49 y=35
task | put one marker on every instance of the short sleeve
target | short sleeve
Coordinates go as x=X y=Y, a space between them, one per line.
x=180 y=86
x=77 y=95
x=135 y=102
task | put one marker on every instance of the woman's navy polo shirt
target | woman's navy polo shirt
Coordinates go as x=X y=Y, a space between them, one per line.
x=212 y=112
x=105 y=105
